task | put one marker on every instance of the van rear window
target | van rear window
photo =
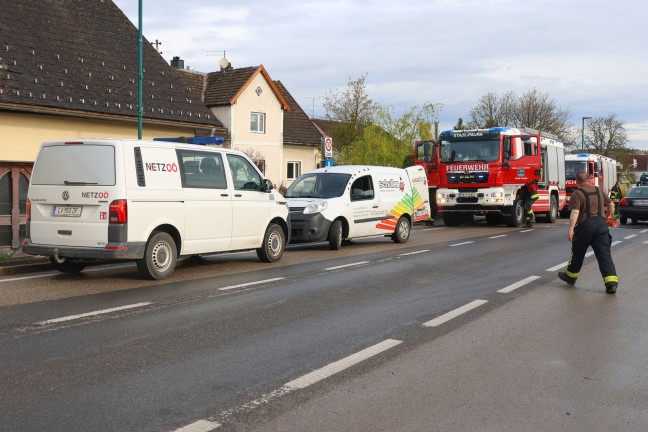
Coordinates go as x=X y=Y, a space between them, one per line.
x=75 y=165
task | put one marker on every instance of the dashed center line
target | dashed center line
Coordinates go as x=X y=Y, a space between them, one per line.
x=461 y=244
x=340 y=365
x=414 y=253
x=455 y=313
x=200 y=426
x=247 y=284
x=517 y=285
x=94 y=313
x=347 y=265
x=497 y=236
x=630 y=236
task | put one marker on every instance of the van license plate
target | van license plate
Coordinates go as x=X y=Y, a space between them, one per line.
x=67 y=211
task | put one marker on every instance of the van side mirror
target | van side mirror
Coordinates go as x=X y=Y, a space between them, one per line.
x=266 y=185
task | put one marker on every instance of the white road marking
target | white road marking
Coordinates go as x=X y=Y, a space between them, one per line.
x=99 y=312
x=517 y=285
x=643 y=231
x=247 y=284
x=346 y=265
x=340 y=365
x=527 y=230
x=461 y=244
x=630 y=236
x=616 y=243
x=199 y=426
x=589 y=254
x=414 y=253
x=498 y=236
x=455 y=313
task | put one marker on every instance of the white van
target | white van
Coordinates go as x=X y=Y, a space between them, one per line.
x=345 y=202
x=149 y=201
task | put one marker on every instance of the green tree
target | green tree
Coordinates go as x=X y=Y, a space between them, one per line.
x=352 y=110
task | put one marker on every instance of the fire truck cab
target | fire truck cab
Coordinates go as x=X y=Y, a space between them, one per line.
x=602 y=172
x=481 y=172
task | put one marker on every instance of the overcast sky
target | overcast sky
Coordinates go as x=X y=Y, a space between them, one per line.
x=591 y=56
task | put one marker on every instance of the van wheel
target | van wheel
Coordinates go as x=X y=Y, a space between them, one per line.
x=274 y=244
x=624 y=220
x=65 y=265
x=335 y=235
x=402 y=233
x=160 y=257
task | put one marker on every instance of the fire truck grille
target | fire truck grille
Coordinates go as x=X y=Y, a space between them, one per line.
x=468 y=177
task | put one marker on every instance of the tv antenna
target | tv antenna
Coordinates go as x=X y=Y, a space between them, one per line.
x=223 y=62
x=312 y=98
x=157 y=44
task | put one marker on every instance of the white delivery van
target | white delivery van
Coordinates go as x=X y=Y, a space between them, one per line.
x=345 y=202
x=149 y=201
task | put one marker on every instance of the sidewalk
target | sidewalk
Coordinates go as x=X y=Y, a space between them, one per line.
x=558 y=358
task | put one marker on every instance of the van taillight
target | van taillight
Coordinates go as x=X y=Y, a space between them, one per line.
x=28 y=209
x=118 y=212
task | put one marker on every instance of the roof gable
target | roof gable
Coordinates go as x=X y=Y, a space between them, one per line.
x=49 y=61
x=226 y=86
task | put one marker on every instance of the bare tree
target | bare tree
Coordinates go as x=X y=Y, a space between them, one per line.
x=606 y=136
x=537 y=110
x=534 y=109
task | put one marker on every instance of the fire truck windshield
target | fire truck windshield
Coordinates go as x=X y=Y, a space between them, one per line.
x=469 y=151
x=573 y=167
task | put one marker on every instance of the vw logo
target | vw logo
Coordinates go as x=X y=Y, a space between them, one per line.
x=66 y=195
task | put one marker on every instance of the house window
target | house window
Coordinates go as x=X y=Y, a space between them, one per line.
x=257 y=122
x=293 y=170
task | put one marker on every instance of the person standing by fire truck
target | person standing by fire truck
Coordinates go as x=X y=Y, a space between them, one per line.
x=615 y=195
x=530 y=195
x=588 y=227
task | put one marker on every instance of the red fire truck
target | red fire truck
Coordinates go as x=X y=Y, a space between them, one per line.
x=602 y=172
x=480 y=173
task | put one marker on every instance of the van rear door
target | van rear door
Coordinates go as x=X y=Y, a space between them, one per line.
x=420 y=193
x=71 y=187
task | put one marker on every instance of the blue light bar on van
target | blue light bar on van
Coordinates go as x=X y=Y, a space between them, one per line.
x=194 y=140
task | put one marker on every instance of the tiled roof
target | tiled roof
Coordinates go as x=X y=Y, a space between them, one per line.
x=81 y=56
x=298 y=128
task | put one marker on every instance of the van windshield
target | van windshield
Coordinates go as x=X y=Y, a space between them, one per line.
x=79 y=164
x=318 y=185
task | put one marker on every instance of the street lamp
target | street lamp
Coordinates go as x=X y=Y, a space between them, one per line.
x=583 y=133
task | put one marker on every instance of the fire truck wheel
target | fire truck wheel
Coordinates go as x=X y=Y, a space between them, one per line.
x=402 y=233
x=553 y=209
x=516 y=217
x=493 y=218
x=450 y=219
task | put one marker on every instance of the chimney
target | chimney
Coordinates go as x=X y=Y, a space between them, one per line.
x=177 y=63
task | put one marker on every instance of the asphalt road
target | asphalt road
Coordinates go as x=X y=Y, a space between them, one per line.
x=230 y=343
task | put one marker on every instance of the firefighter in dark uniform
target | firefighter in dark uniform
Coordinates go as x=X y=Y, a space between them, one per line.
x=615 y=195
x=530 y=195
x=588 y=227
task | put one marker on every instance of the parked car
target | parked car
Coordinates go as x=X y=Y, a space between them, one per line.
x=634 y=206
